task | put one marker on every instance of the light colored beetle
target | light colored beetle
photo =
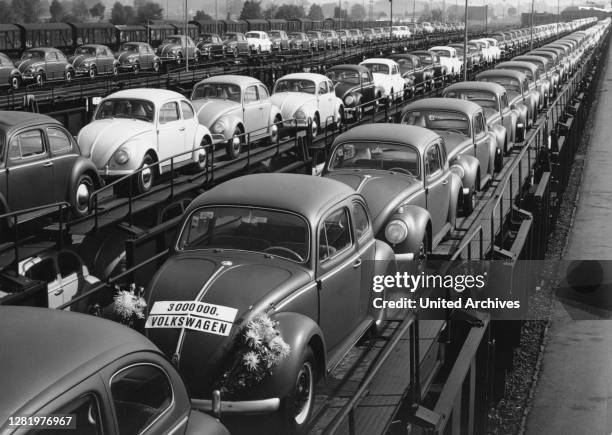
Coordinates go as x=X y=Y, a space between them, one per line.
x=237 y=109
x=136 y=128
x=307 y=99
x=259 y=41
x=387 y=76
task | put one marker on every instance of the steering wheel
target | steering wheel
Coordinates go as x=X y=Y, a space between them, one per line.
x=405 y=171
x=285 y=250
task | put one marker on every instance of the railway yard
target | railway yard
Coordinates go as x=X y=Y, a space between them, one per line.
x=237 y=212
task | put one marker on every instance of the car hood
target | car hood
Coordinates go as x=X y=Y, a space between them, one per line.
x=127 y=55
x=209 y=111
x=246 y=282
x=79 y=59
x=100 y=139
x=383 y=191
x=289 y=102
x=167 y=48
x=342 y=89
x=453 y=142
x=490 y=113
x=25 y=64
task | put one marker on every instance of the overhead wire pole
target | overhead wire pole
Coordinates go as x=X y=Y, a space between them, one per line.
x=185 y=38
x=465 y=39
x=531 y=37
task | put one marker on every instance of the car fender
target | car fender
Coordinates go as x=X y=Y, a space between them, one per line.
x=274 y=112
x=494 y=148
x=469 y=165
x=201 y=133
x=232 y=121
x=298 y=331
x=455 y=182
x=82 y=165
x=499 y=133
x=417 y=220
x=138 y=149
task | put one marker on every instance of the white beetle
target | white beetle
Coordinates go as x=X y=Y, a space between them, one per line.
x=448 y=58
x=387 y=76
x=259 y=41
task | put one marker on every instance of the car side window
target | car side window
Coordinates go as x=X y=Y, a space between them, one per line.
x=322 y=88
x=68 y=264
x=168 y=113
x=478 y=125
x=504 y=101
x=334 y=234
x=59 y=142
x=360 y=218
x=330 y=86
x=263 y=92
x=140 y=394
x=26 y=145
x=250 y=95
x=186 y=110
x=365 y=78
x=85 y=412
x=44 y=271
x=433 y=160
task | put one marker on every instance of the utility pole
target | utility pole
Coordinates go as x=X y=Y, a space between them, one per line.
x=465 y=39
x=531 y=38
x=185 y=38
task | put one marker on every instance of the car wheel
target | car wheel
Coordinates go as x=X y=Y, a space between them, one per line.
x=15 y=83
x=358 y=114
x=200 y=164
x=234 y=144
x=146 y=177
x=92 y=72
x=421 y=255
x=274 y=130
x=81 y=195
x=235 y=52
x=296 y=409
x=210 y=55
x=340 y=119
x=136 y=68
x=468 y=202
x=156 y=66
x=68 y=76
x=115 y=71
x=499 y=161
x=40 y=78
x=314 y=125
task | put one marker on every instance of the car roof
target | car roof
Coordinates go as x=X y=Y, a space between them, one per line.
x=305 y=195
x=304 y=76
x=529 y=57
x=480 y=86
x=157 y=96
x=418 y=137
x=44 y=347
x=444 y=103
x=502 y=72
x=517 y=63
x=359 y=68
x=388 y=62
x=12 y=119
x=239 y=80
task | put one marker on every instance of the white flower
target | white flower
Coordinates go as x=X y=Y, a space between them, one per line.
x=127 y=305
x=280 y=347
x=251 y=361
x=252 y=336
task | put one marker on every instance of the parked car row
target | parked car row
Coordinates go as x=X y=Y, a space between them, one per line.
x=279 y=262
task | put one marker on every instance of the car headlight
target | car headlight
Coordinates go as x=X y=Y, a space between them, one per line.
x=32 y=69
x=396 y=231
x=121 y=156
x=458 y=170
x=86 y=64
x=348 y=100
x=219 y=127
x=300 y=114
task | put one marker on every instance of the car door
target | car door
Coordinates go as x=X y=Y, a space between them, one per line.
x=339 y=266
x=191 y=125
x=45 y=270
x=362 y=229
x=30 y=170
x=266 y=107
x=52 y=66
x=70 y=270
x=437 y=186
x=101 y=61
x=252 y=110
x=63 y=156
x=324 y=103
x=170 y=131
x=368 y=90
x=481 y=142
x=145 y=57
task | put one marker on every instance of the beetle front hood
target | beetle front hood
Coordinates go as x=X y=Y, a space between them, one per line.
x=79 y=59
x=248 y=283
x=209 y=111
x=290 y=102
x=100 y=139
x=343 y=89
x=127 y=55
x=29 y=63
x=383 y=191
x=166 y=49
x=454 y=142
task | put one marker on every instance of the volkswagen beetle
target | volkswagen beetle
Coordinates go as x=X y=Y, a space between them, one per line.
x=177 y=48
x=354 y=85
x=308 y=99
x=210 y=45
x=492 y=97
x=403 y=173
x=45 y=63
x=283 y=282
x=472 y=150
x=280 y=40
x=448 y=58
x=40 y=163
x=92 y=59
x=236 y=109
x=259 y=41
x=387 y=77
x=236 y=44
x=9 y=75
x=136 y=128
x=108 y=378
x=137 y=56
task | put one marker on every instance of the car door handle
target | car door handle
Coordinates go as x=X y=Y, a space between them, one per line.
x=181 y=128
x=58 y=292
x=445 y=181
x=357 y=263
x=48 y=164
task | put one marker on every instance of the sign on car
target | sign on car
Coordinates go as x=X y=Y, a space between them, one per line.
x=194 y=315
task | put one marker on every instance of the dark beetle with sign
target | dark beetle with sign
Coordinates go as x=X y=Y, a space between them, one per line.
x=265 y=291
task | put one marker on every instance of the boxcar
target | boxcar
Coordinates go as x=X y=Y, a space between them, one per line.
x=129 y=33
x=57 y=35
x=234 y=26
x=158 y=31
x=101 y=32
x=193 y=30
x=277 y=24
x=257 y=24
x=209 y=26
x=10 y=40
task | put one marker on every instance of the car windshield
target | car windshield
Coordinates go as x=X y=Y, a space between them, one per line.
x=426 y=59
x=206 y=38
x=483 y=99
x=379 y=155
x=435 y=119
x=252 y=229
x=129 y=47
x=295 y=85
x=252 y=35
x=511 y=85
x=443 y=53
x=85 y=50
x=525 y=71
x=33 y=54
x=126 y=108
x=380 y=68
x=230 y=37
x=295 y=35
x=216 y=91
x=173 y=40
x=275 y=34
x=313 y=35
x=343 y=75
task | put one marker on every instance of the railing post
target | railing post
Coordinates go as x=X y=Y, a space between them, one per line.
x=171 y=178
x=131 y=194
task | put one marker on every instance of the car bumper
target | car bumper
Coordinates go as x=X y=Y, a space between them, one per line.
x=114 y=173
x=218 y=138
x=126 y=67
x=262 y=406
x=300 y=123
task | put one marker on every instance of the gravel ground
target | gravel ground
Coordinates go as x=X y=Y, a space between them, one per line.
x=508 y=417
